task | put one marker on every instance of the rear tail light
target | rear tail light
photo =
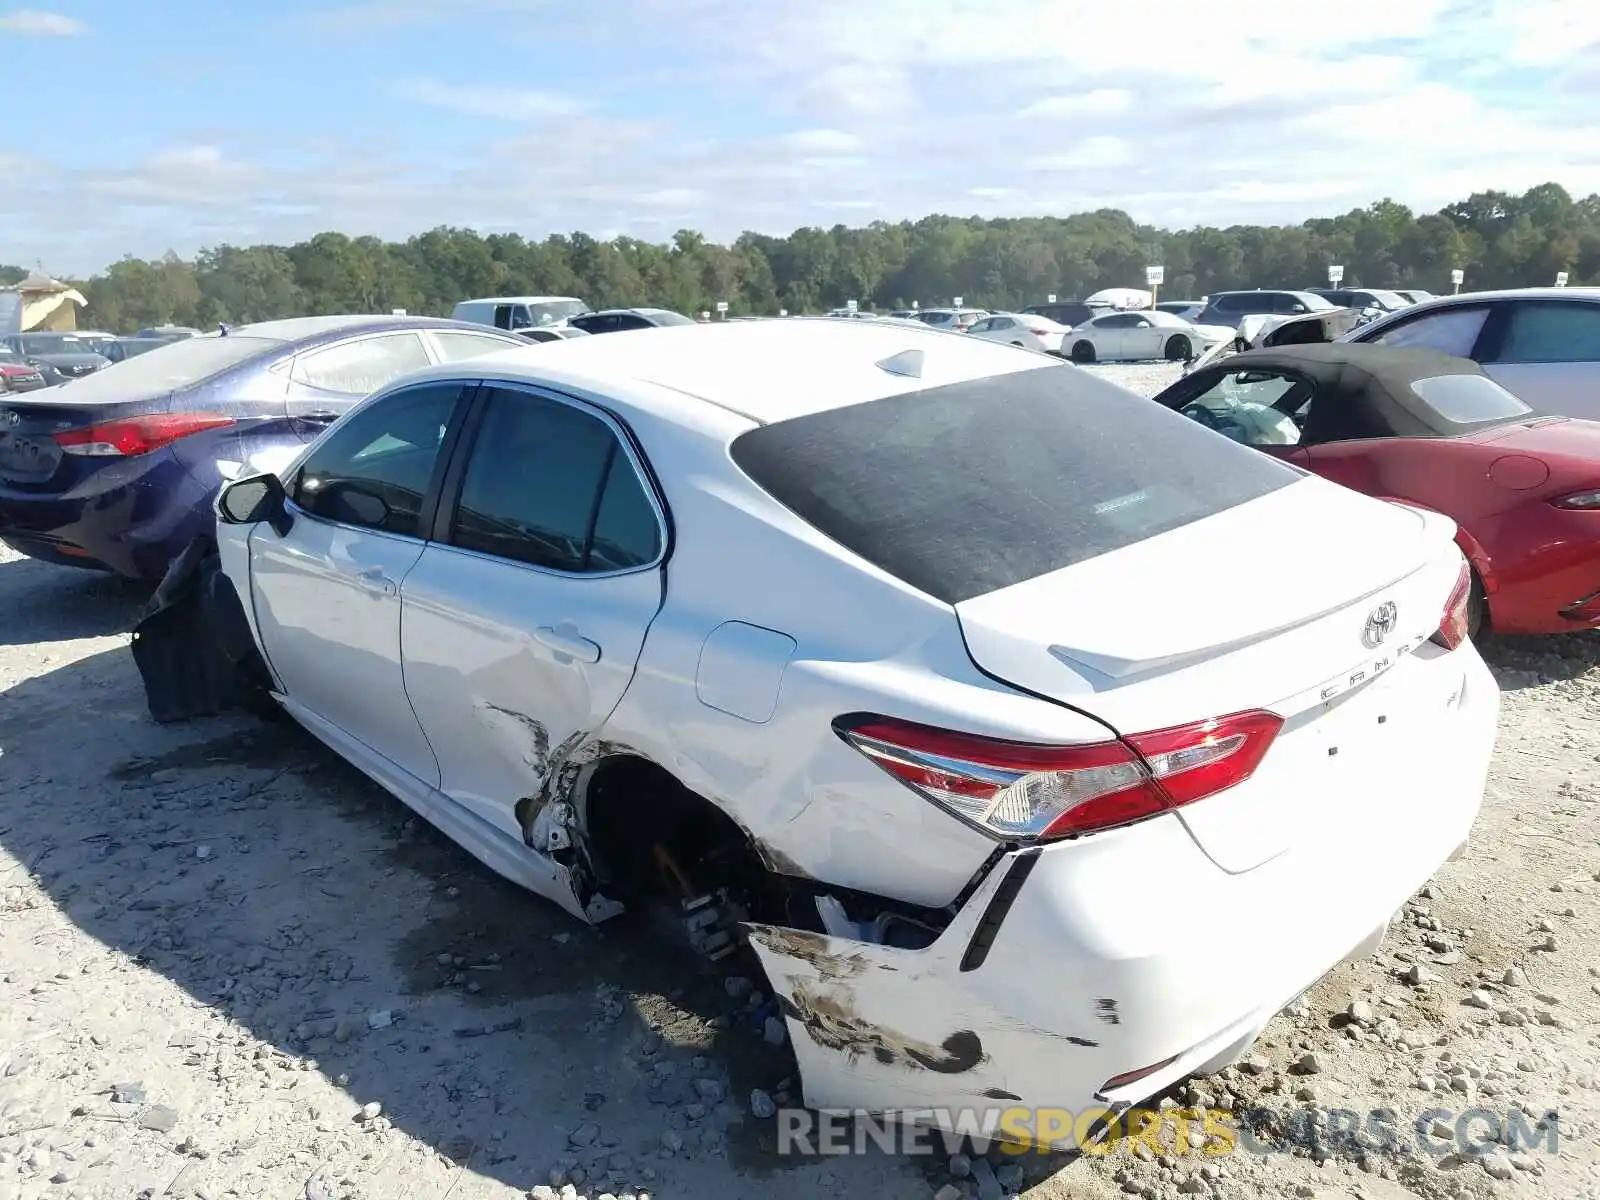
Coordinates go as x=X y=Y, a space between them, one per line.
x=1455 y=625
x=1579 y=500
x=137 y=435
x=1019 y=790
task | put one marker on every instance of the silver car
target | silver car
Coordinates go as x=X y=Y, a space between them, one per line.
x=1543 y=344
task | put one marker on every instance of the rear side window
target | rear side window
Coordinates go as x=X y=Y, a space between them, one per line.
x=969 y=488
x=550 y=485
x=456 y=344
x=1467 y=399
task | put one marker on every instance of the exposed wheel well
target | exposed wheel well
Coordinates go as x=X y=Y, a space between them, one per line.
x=653 y=840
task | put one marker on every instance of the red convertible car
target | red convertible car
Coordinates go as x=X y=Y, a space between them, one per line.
x=1433 y=431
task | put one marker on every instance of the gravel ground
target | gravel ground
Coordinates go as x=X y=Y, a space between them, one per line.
x=231 y=967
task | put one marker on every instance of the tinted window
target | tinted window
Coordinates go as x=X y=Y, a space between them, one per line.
x=549 y=484
x=1544 y=333
x=1120 y=321
x=170 y=366
x=631 y=321
x=1251 y=407
x=455 y=345
x=972 y=487
x=374 y=469
x=362 y=366
x=595 y=323
x=1452 y=331
x=1466 y=399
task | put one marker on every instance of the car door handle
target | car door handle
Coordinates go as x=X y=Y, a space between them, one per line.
x=567 y=643
x=377 y=583
x=321 y=417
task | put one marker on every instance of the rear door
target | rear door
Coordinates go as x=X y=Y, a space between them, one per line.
x=1547 y=352
x=327 y=381
x=524 y=619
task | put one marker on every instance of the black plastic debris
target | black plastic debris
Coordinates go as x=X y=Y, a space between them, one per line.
x=192 y=644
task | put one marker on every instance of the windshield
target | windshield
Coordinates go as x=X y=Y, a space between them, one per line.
x=968 y=488
x=550 y=312
x=1314 y=302
x=1393 y=301
x=56 y=343
x=167 y=368
x=662 y=316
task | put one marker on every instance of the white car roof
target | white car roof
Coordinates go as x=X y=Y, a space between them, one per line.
x=1537 y=293
x=765 y=371
x=519 y=300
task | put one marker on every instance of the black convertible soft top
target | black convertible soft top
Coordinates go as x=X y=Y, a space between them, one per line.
x=1363 y=390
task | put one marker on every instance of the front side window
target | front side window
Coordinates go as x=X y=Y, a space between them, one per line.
x=1252 y=407
x=1551 y=332
x=1453 y=331
x=374 y=469
x=362 y=366
x=550 y=485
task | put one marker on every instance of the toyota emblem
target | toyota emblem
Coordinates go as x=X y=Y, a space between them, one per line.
x=1380 y=624
x=11 y=417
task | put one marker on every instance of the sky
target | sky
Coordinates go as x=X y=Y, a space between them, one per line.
x=177 y=125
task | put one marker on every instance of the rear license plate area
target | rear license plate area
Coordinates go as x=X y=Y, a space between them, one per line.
x=27 y=456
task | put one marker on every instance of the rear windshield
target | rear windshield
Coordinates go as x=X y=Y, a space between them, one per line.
x=167 y=368
x=965 y=489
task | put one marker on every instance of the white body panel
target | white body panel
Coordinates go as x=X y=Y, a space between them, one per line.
x=327 y=609
x=728 y=666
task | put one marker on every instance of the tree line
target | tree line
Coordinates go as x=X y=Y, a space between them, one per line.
x=1496 y=238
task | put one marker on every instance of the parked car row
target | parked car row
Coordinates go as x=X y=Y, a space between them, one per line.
x=118 y=469
x=865 y=660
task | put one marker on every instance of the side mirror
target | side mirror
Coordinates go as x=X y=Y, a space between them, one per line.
x=258 y=498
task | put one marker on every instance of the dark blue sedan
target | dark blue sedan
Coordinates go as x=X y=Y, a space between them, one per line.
x=117 y=471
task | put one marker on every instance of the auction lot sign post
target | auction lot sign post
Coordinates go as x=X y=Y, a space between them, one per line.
x=1154 y=277
x=1457 y=278
x=1210 y=1132
x=1335 y=276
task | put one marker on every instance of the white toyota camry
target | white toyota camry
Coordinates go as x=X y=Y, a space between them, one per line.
x=1041 y=743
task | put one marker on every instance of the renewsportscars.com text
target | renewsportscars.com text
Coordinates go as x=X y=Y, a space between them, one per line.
x=1435 y=1132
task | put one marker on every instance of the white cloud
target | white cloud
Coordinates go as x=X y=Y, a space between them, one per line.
x=41 y=24
x=479 y=100
x=1100 y=101
x=724 y=116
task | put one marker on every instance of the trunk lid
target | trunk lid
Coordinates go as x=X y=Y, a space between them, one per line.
x=30 y=459
x=1261 y=606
